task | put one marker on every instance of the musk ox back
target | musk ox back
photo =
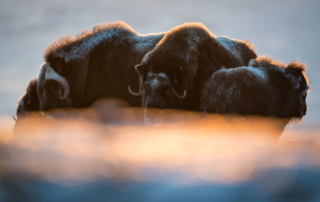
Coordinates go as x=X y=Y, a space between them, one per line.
x=95 y=64
x=265 y=87
x=173 y=73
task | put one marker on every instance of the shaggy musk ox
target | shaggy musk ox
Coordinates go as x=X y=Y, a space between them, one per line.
x=265 y=87
x=173 y=73
x=95 y=64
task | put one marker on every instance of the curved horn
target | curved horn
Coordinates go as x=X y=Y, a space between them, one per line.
x=179 y=96
x=51 y=74
x=133 y=93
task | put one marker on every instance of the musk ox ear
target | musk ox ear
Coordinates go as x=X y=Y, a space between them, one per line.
x=139 y=68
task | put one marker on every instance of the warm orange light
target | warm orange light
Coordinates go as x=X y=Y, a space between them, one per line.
x=192 y=146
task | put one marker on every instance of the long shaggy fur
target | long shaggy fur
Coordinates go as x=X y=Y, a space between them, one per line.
x=188 y=54
x=100 y=63
x=266 y=87
x=66 y=41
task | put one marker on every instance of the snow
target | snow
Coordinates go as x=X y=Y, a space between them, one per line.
x=258 y=72
x=230 y=91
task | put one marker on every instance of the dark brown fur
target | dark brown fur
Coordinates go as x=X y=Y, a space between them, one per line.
x=281 y=92
x=98 y=68
x=188 y=55
x=29 y=102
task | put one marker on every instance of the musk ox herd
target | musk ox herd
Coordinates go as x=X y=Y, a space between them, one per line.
x=185 y=68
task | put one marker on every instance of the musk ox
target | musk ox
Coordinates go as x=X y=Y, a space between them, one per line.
x=95 y=64
x=173 y=73
x=29 y=102
x=265 y=87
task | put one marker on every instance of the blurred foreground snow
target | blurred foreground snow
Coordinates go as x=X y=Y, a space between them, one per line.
x=106 y=153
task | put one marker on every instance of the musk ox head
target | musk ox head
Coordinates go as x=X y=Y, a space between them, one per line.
x=165 y=82
x=29 y=102
x=53 y=89
x=294 y=85
x=298 y=82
